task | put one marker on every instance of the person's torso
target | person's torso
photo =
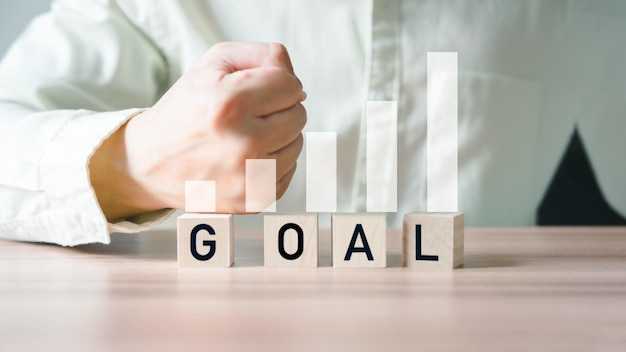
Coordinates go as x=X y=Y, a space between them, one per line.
x=528 y=73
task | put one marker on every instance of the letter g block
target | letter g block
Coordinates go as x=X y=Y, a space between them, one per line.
x=205 y=240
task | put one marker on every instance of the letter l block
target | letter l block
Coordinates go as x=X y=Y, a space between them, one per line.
x=433 y=240
x=205 y=240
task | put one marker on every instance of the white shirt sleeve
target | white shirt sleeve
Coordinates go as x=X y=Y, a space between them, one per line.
x=73 y=77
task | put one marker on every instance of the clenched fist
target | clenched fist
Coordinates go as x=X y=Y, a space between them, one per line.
x=239 y=101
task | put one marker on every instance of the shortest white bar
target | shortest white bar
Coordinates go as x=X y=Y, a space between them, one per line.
x=260 y=185
x=321 y=172
x=200 y=196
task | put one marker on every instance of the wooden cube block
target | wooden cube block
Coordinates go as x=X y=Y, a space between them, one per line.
x=433 y=240
x=291 y=240
x=205 y=240
x=359 y=240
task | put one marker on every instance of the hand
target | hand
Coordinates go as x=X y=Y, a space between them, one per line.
x=239 y=101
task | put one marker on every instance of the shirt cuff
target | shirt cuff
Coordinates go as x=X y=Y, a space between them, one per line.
x=65 y=178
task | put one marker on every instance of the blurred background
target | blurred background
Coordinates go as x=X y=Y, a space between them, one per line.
x=14 y=17
x=573 y=198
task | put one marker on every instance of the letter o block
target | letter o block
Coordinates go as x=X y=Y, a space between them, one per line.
x=433 y=240
x=205 y=241
x=291 y=240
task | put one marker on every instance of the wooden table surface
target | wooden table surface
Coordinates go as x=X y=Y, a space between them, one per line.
x=521 y=289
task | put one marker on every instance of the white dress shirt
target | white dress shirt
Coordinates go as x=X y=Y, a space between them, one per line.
x=529 y=71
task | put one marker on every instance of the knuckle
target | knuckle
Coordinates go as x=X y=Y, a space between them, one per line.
x=297 y=118
x=214 y=51
x=278 y=52
x=241 y=77
x=221 y=46
x=290 y=86
x=300 y=141
x=301 y=115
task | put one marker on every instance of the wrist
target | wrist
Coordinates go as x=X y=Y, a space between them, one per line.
x=119 y=190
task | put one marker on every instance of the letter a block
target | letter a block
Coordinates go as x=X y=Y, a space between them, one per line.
x=205 y=240
x=433 y=240
x=291 y=240
x=359 y=240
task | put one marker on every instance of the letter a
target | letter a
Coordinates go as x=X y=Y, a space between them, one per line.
x=358 y=231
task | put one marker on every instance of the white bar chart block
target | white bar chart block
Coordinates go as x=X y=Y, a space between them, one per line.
x=442 y=132
x=200 y=196
x=321 y=172
x=260 y=185
x=382 y=156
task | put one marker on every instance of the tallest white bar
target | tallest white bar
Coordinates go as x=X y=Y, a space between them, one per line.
x=442 y=132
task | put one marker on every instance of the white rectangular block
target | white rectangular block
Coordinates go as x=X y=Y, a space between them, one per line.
x=260 y=185
x=321 y=172
x=442 y=132
x=359 y=240
x=433 y=240
x=382 y=156
x=291 y=240
x=200 y=196
x=205 y=240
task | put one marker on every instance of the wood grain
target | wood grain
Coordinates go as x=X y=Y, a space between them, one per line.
x=520 y=289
